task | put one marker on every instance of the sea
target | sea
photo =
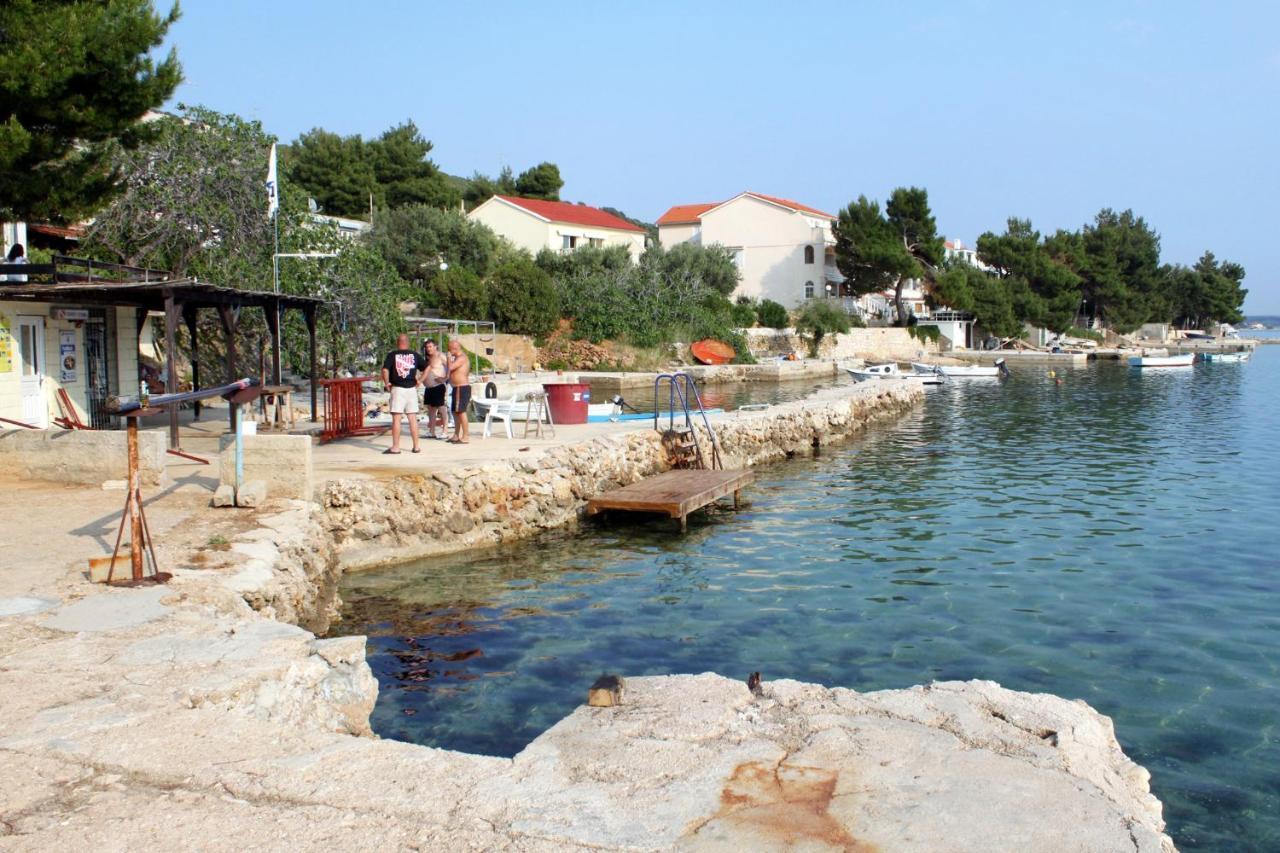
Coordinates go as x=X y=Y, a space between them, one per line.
x=1099 y=532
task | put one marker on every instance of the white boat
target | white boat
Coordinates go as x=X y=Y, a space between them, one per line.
x=960 y=371
x=1184 y=360
x=1226 y=356
x=891 y=371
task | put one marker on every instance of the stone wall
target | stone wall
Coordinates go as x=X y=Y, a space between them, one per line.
x=375 y=522
x=876 y=344
x=90 y=457
x=283 y=462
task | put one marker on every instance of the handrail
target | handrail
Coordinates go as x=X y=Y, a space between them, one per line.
x=682 y=386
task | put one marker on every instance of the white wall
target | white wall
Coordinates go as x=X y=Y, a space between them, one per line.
x=684 y=232
x=533 y=234
x=772 y=240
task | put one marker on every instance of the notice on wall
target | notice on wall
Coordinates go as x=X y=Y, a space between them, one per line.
x=6 y=344
x=67 y=353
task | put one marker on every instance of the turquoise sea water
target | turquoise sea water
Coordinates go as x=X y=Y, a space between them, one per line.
x=1112 y=537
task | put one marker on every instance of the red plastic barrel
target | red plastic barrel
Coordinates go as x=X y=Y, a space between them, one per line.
x=568 y=401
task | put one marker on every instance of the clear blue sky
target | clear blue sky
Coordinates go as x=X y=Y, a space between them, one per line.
x=1047 y=111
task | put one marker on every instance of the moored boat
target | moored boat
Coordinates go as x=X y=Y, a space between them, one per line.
x=1183 y=360
x=891 y=371
x=959 y=371
x=1227 y=357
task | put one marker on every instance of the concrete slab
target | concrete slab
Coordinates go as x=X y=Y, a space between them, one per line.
x=25 y=605
x=110 y=611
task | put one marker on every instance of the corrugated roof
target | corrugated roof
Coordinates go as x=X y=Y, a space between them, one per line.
x=573 y=214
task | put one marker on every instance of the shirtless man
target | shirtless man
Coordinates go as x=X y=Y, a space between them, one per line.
x=434 y=379
x=460 y=378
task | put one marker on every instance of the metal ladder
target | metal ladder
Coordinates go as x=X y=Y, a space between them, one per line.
x=682 y=389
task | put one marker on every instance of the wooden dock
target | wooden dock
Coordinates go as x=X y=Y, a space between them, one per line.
x=673 y=493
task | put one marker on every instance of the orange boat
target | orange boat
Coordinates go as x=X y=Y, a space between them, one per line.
x=711 y=351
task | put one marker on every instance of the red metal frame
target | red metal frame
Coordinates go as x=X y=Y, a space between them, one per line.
x=344 y=409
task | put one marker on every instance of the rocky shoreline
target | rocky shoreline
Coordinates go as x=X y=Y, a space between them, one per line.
x=200 y=714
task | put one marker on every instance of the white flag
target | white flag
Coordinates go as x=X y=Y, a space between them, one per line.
x=273 y=187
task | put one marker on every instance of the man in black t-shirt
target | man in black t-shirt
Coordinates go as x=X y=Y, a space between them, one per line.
x=401 y=375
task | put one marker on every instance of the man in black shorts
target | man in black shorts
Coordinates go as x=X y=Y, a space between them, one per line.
x=460 y=378
x=435 y=380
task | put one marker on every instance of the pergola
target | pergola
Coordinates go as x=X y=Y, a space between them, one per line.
x=177 y=299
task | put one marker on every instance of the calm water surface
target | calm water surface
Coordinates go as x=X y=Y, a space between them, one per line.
x=1111 y=537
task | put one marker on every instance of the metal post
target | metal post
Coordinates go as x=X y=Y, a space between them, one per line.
x=238 y=420
x=171 y=380
x=310 y=314
x=134 y=506
x=190 y=313
x=228 y=317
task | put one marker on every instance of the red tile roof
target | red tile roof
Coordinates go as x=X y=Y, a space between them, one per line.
x=574 y=214
x=683 y=214
x=794 y=205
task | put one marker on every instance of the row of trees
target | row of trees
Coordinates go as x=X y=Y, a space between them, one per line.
x=1110 y=270
x=352 y=176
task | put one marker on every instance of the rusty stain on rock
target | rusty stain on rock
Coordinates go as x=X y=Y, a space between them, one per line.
x=783 y=804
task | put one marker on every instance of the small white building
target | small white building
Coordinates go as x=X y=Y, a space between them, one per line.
x=785 y=250
x=534 y=224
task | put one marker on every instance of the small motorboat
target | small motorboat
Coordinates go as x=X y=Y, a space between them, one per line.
x=960 y=371
x=1227 y=357
x=891 y=371
x=1184 y=360
x=711 y=351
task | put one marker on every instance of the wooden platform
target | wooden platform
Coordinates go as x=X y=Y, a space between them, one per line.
x=673 y=493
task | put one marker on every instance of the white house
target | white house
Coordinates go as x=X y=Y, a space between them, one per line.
x=535 y=225
x=785 y=250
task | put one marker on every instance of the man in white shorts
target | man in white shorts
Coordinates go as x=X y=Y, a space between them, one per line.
x=401 y=375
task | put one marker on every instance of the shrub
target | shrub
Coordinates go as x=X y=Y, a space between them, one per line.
x=523 y=299
x=458 y=292
x=744 y=312
x=924 y=333
x=772 y=315
x=819 y=319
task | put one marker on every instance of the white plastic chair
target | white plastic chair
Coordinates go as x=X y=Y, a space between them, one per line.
x=501 y=410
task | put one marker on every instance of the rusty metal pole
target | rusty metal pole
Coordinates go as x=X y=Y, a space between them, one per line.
x=134 y=506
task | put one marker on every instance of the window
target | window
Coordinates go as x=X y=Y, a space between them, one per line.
x=568 y=243
x=596 y=242
x=808 y=290
x=808 y=254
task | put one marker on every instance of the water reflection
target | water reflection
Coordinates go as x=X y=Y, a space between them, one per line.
x=1105 y=538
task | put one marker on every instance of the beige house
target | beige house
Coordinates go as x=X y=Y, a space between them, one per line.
x=785 y=250
x=534 y=224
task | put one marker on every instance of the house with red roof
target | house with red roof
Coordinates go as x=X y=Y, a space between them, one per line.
x=785 y=250
x=561 y=226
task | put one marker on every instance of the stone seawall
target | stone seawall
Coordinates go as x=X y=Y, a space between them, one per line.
x=375 y=522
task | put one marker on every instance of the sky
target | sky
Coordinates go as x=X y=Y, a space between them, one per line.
x=1042 y=111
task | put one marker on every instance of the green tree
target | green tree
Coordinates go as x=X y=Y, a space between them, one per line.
x=1120 y=270
x=193 y=201
x=772 y=314
x=363 y=293
x=878 y=251
x=1206 y=294
x=817 y=320
x=540 y=181
x=585 y=259
x=523 y=299
x=989 y=298
x=744 y=312
x=712 y=267
x=76 y=77
x=1043 y=289
x=481 y=188
x=404 y=173
x=336 y=171
x=459 y=293
x=416 y=238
